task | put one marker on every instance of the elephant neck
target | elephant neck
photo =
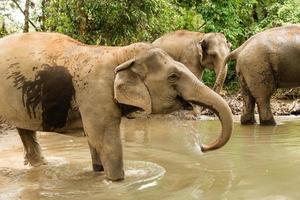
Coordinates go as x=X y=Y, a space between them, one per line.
x=129 y=52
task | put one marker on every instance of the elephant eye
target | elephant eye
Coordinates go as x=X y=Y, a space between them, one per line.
x=172 y=78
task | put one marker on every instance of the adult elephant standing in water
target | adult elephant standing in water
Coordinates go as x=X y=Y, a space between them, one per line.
x=198 y=51
x=50 y=82
x=265 y=62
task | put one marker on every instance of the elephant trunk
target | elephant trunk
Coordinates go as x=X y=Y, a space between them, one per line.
x=221 y=76
x=204 y=96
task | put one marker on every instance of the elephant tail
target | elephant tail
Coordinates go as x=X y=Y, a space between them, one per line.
x=233 y=55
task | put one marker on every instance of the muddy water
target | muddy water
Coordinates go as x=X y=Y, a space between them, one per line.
x=162 y=161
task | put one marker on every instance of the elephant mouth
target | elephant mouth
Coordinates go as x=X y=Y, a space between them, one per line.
x=184 y=104
x=129 y=110
x=126 y=110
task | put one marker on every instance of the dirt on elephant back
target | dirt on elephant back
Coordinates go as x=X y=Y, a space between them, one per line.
x=283 y=102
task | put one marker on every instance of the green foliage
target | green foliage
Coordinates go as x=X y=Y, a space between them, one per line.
x=114 y=22
x=280 y=13
x=209 y=77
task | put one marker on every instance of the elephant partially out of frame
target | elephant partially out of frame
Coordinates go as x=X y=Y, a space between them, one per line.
x=198 y=51
x=265 y=62
x=51 y=82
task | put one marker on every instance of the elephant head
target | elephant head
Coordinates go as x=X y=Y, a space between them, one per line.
x=156 y=83
x=213 y=49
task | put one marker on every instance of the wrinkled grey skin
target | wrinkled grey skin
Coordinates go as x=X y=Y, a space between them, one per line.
x=265 y=62
x=50 y=82
x=198 y=51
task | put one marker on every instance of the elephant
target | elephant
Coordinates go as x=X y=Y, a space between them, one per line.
x=265 y=62
x=198 y=51
x=51 y=82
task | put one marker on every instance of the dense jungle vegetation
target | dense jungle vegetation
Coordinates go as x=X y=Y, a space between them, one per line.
x=121 y=22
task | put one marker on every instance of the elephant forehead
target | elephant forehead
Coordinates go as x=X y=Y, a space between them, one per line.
x=216 y=38
x=159 y=63
x=179 y=67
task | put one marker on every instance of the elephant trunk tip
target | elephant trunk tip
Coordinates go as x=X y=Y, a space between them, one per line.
x=202 y=148
x=206 y=148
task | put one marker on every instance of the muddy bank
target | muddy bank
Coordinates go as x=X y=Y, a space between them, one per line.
x=279 y=106
x=283 y=102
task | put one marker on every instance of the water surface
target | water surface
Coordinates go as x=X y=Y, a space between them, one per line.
x=162 y=161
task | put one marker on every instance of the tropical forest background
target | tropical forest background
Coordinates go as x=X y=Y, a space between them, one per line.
x=121 y=22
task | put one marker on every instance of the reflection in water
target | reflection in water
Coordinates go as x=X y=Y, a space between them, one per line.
x=162 y=160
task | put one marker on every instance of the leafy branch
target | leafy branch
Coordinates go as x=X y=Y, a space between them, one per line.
x=22 y=11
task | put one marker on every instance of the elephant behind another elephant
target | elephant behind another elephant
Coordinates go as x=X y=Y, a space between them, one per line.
x=265 y=62
x=198 y=51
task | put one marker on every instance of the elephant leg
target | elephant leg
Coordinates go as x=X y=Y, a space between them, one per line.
x=247 y=117
x=258 y=80
x=111 y=151
x=103 y=136
x=262 y=94
x=97 y=165
x=265 y=112
x=261 y=85
x=32 y=150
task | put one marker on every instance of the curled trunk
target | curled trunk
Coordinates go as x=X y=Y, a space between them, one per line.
x=204 y=96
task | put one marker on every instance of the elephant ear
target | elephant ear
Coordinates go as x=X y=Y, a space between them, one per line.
x=202 y=48
x=129 y=87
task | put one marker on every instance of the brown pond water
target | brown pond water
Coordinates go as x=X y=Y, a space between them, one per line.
x=162 y=161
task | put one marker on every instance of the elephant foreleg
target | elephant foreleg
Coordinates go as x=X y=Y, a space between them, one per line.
x=111 y=151
x=32 y=150
x=105 y=143
x=97 y=165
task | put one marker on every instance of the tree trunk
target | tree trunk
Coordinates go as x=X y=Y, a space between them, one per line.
x=22 y=11
x=26 y=16
x=42 y=18
x=3 y=28
x=83 y=18
x=254 y=13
